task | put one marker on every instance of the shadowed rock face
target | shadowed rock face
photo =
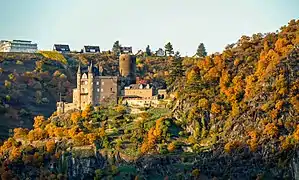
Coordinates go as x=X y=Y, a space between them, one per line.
x=211 y=165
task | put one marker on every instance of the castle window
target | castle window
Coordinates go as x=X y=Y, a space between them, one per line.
x=102 y=90
x=98 y=90
x=102 y=83
x=111 y=89
x=98 y=83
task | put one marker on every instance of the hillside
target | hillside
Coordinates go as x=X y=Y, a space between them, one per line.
x=247 y=94
x=31 y=84
x=232 y=115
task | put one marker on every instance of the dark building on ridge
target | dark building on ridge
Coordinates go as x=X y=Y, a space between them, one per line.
x=91 y=49
x=62 y=48
x=126 y=50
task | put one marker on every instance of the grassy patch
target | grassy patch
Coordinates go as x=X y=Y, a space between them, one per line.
x=54 y=56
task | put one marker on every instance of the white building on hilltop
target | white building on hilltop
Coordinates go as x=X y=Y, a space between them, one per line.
x=18 y=46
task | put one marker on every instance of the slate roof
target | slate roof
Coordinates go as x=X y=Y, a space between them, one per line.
x=126 y=49
x=95 y=70
x=93 y=49
x=61 y=47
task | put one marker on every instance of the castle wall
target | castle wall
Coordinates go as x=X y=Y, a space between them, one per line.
x=162 y=94
x=69 y=106
x=104 y=88
x=63 y=107
x=109 y=89
x=140 y=102
x=144 y=93
x=96 y=90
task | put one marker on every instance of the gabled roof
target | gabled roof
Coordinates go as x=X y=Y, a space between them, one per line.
x=61 y=47
x=160 y=51
x=126 y=49
x=92 y=48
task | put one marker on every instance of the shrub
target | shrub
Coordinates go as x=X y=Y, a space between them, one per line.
x=38 y=121
x=7 y=84
x=102 y=132
x=215 y=108
x=50 y=146
x=232 y=145
x=271 y=130
x=296 y=134
x=15 y=154
x=20 y=132
x=7 y=98
x=203 y=103
x=286 y=142
x=98 y=174
x=195 y=173
x=37 y=134
x=75 y=117
x=171 y=147
x=19 y=62
x=87 y=111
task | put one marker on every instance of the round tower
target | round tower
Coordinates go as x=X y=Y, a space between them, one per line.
x=127 y=67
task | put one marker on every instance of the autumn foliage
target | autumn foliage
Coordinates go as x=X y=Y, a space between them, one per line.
x=153 y=136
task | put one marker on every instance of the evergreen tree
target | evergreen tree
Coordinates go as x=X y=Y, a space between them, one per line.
x=116 y=48
x=169 y=49
x=176 y=69
x=148 y=51
x=201 y=50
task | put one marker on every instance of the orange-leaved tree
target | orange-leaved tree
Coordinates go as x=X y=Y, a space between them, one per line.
x=38 y=121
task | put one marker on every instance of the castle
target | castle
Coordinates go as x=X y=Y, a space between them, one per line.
x=92 y=89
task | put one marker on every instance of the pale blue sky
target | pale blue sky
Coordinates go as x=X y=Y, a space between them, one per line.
x=185 y=23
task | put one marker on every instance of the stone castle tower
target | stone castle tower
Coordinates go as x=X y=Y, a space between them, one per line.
x=127 y=68
x=84 y=93
x=92 y=89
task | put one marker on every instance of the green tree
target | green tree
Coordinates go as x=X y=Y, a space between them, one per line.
x=176 y=69
x=116 y=48
x=169 y=49
x=201 y=50
x=148 y=51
